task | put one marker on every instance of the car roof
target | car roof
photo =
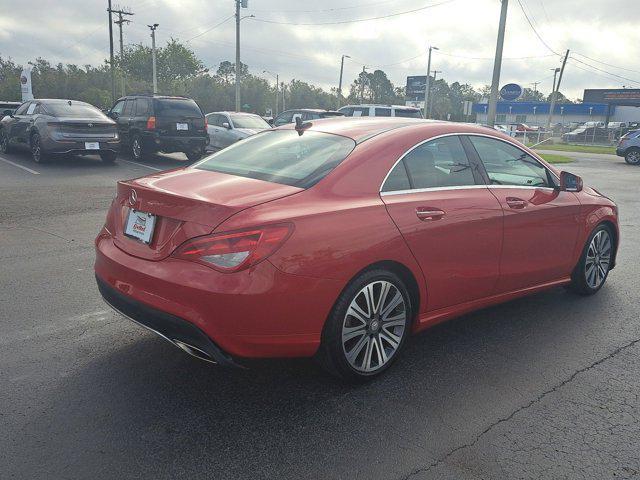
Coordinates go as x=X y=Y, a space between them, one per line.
x=225 y=112
x=360 y=128
x=408 y=107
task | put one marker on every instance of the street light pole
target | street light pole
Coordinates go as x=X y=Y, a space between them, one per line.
x=153 y=55
x=435 y=72
x=277 y=86
x=340 y=83
x=427 y=86
x=237 y=55
x=497 y=65
x=113 y=80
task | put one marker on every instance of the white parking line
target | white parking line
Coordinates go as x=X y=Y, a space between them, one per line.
x=19 y=166
x=141 y=165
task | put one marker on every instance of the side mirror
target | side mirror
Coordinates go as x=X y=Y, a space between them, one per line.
x=113 y=115
x=570 y=182
x=271 y=122
x=226 y=125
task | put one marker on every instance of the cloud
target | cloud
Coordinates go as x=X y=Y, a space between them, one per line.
x=76 y=31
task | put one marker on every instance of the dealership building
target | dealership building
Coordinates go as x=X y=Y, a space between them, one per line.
x=599 y=105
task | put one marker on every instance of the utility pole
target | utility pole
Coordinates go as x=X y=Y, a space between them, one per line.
x=555 y=74
x=535 y=87
x=497 y=65
x=277 y=85
x=435 y=72
x=364 y=71
x=554 y=94
x=153 y=55
x=283 y=88
x=113 y=80
x=120 y=12
x=340 y=83
x=427 y=85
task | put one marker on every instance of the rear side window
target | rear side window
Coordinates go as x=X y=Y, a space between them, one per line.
x=347 y=111
x=508 y=165
x=360 y=112
x=282 y=156
x=177 y=107
x=143 y=107
x=383 y=112
x=439 y=163
x=408 y=113
x=22 y=108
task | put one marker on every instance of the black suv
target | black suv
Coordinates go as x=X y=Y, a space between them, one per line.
x=160 y=123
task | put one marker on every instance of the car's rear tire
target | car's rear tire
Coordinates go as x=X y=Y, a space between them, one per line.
x=5 y=146
x=138 y=151
x=37 y=153
x=595 y=262
x=632 y=156
x=108 y=157
x=367 y=327
x=194 y=155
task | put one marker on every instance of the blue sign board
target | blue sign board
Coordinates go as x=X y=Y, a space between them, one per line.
x=510 y=92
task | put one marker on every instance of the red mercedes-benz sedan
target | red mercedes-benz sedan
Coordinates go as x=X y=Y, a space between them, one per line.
x=339 y=238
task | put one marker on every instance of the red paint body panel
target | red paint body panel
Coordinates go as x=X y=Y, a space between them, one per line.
x=480 y=253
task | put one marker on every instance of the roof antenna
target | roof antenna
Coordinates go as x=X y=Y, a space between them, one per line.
x=301 y=126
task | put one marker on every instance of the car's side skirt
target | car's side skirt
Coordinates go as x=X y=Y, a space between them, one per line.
x=431 y=318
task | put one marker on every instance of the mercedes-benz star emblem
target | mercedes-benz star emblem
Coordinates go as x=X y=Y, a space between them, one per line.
x=133 y=198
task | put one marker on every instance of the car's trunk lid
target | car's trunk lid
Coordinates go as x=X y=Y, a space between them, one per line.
x=187 y=203
x=179 y=117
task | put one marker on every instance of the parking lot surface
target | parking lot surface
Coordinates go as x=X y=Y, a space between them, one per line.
x=542 y=387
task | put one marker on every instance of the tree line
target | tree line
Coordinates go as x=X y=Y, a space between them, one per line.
x=181 y=72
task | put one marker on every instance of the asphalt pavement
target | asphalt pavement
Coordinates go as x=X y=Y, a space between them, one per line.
x=542 y=387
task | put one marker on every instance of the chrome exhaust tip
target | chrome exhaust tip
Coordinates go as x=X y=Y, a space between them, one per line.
x=193 y=351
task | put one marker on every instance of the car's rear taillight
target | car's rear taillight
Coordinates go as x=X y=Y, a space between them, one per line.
x=151 y=123
x=231 y=252
x=206 y=124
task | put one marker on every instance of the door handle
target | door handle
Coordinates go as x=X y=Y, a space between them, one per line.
x=427 y=214
x=515 y=202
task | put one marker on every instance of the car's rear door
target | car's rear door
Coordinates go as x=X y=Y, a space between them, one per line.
x=449 y=219
x=541 y=222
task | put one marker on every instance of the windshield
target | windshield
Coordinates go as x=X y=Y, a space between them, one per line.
x=73 y=109
x=248 y=121
x=282 y=156
x=177 y=107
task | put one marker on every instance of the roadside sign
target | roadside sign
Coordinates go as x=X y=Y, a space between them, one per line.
x=467 y=107
x=511 y=91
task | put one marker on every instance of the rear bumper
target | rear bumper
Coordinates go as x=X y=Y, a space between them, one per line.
x=157 y=142
x=260 y=312
x=179 y=332
x=621 y=152
x=49 y=145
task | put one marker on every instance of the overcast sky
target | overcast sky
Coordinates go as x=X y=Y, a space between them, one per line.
x=76 y=31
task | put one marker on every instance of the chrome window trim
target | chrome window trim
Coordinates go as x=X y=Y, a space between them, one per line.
x=432 y=189
x=458 y=187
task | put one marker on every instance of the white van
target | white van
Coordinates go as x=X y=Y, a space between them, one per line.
x=372 y=110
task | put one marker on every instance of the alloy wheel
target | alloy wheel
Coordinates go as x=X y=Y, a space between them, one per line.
x=136 y=148
x=633 y=157
x=36 y=150
x=598 y=259
x=374 y=326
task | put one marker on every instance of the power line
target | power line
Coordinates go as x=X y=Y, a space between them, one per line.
x=607 y=64
x=328 y=9
x=534 y=29
x=211 y=28
x=491 y=58
x=342 y=22
x=605 y=71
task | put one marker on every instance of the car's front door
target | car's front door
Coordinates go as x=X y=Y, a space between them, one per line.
x=216 y=130
x=540 y=222
x=12 y=122
x=23 y=119
x=449 y=219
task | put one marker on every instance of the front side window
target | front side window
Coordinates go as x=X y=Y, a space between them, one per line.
x=283 y=119
x=118 y=107
x=282 y=156
x=360 y=112
x=408 y=113
x=249 y=121
x=439 y=163
x=508 y=165
x=22 y=108
x=346 y=111
x=383 y=112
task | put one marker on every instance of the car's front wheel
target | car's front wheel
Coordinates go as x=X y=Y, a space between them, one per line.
x=593 y=268
x=37 y=153
x=367 y=327
x=632 y=157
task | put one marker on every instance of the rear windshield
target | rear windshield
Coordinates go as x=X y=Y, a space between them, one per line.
x=176 y=107
x=408 y=113
x=282 y=156
x=331 y=114
x=249 y=121
x=72 y=109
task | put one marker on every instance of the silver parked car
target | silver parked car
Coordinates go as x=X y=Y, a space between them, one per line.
x=225 y=128
x=49 y=127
